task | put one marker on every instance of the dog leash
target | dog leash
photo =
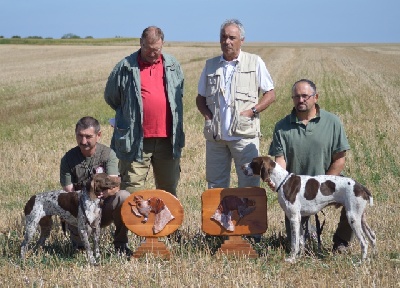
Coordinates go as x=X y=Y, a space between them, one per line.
x=284 y=180
x=319 y=228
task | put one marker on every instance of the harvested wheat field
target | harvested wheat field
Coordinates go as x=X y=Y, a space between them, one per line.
x=44 y=90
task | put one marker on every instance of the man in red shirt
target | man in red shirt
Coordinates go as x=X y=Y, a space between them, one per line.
x=146 y=89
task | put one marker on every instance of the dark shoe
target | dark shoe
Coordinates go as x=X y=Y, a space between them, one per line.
x=78 y=247
x=255 y=238
x=340 y=246
x=123 y=250
x=175 y=236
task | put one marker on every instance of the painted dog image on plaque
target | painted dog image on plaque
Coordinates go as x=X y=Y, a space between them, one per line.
x=143 y=207
x=228 y=204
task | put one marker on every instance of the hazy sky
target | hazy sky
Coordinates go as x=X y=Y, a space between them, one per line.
x=200 y=20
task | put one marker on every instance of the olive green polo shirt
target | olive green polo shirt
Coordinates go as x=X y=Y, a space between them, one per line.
x=77 y=169
x=308 y=149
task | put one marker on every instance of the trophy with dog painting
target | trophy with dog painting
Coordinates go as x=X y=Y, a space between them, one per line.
x=235 y=212
x=152 y=214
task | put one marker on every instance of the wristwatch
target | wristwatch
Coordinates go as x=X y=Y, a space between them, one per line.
x=255 y=112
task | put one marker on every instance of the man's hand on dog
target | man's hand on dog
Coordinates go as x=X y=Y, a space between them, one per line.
x=108 y=192
x=271 y=185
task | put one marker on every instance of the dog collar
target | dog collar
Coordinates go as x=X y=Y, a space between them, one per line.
x=284 y=180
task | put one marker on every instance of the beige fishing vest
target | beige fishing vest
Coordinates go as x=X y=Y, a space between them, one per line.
x=244 y=95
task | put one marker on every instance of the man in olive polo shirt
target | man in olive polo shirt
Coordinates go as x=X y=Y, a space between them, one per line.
x=312 y=141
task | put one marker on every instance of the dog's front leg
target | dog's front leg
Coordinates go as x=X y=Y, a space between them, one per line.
x=96 y=237
x=295 y=220
x=84 y=232
x=30 y=229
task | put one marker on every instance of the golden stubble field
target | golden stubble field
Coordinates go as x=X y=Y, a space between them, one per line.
x=44 y=90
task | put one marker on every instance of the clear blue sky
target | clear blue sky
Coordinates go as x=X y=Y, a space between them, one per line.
x=199 y=20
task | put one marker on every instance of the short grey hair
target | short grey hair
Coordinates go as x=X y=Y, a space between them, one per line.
x=152 y=34
x=87 y=122
x=235 y=22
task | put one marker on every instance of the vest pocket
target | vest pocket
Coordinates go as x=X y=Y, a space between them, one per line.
x=212 y=84
x=209 y=132
x=122 y=140
x=244 y=126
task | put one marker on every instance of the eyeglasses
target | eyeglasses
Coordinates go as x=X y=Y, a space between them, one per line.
x=148 y=49
x=304 y=96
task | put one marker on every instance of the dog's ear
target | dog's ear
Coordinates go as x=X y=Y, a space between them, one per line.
x=93 y=186
x=88 y=184
x=263 y=172
x=113 y=181
x=267 y=166
x=157 y=207
x=160 y=205
x=256 y=165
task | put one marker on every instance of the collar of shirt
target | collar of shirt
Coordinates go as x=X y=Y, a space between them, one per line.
x=294 y=119
x=237 y=59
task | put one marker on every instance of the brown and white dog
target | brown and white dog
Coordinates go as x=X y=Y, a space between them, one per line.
x=142 y=207
x=81 y=209
x=301 y=195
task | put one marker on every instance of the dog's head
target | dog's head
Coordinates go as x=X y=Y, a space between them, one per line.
x=144 y=207
x=101 y=182
x=156 y=204
x=261 y=166
x=141 y=206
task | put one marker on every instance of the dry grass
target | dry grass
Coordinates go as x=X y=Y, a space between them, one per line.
x=44 y=90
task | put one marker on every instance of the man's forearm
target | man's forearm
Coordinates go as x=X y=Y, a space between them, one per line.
x=202 y=107
x=267 y=99
x=337 y=165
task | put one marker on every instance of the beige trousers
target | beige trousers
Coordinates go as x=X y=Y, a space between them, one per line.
x=219 y=155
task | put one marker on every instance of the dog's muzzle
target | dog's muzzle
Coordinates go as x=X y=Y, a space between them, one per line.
x=247 y=170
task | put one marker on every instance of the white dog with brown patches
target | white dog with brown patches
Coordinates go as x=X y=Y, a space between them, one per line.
x=81 y=209
x=301 y=195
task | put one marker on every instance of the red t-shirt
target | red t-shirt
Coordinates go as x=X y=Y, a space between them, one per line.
x=157 y=118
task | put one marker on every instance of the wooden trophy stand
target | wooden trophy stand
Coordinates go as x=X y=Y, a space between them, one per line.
x=253 y=223
x=152 y=244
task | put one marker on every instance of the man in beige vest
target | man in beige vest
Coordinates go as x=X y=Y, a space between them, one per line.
x=228 y=98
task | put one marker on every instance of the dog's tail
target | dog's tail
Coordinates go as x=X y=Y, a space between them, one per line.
x=364 y=192
x=371 y=199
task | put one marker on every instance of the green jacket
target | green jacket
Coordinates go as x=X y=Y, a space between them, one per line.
x=123 y=94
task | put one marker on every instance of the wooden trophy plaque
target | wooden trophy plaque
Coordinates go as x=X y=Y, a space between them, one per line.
x=164 y=216
x=235 y=212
